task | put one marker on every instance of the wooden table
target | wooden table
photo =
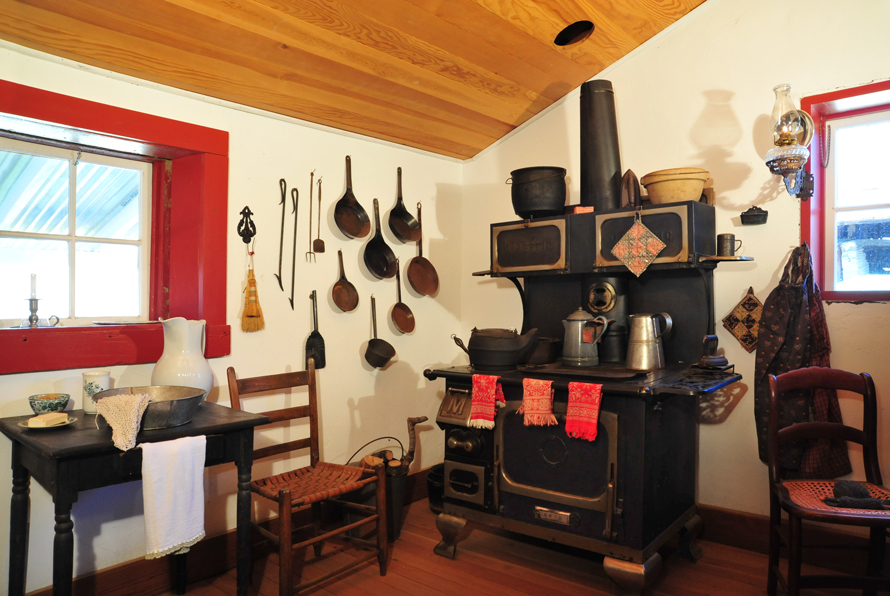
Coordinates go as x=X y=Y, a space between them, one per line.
x=80 y=457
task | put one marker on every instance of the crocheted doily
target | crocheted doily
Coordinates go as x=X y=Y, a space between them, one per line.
x=124 y=414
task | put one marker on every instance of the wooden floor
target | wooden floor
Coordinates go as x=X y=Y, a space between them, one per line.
x=497 y=563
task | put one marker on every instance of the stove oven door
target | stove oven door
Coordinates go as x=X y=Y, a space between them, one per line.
x=548 y=479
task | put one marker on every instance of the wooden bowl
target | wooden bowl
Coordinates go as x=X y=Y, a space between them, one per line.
x=675 y=185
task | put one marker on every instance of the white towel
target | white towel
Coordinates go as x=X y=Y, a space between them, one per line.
x=173 y=492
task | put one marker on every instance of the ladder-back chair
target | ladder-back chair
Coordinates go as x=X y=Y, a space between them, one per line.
x=803 y=499
x=312 y=485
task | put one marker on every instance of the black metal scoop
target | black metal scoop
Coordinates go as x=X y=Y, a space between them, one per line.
x=315 y=342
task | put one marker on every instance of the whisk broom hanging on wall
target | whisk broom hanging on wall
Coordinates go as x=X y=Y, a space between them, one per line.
x=252 y=317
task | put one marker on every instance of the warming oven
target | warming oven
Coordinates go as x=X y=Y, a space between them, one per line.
x=565 y=244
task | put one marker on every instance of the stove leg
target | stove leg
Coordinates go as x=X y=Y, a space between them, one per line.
x=688 y=547
x=632 y=578
x=449 y=527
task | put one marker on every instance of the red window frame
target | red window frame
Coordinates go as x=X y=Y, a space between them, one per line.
x=824 y=107
x=190 y=169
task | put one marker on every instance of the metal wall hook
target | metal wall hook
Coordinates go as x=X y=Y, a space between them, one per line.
x=246 y=227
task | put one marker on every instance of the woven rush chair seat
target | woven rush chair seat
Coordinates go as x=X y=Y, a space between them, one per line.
x=801 y=499
x=311 y=485
x=309 y=488
x=808 y=496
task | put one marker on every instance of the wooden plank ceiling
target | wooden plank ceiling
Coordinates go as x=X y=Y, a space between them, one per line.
x=446 y=76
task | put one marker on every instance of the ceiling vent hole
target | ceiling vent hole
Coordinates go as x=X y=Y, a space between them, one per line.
x=574 y=33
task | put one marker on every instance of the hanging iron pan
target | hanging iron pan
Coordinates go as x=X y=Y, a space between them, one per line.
x=379 y=351
x=421 y=274
x=403 y=225
x=402 y=317
x=349 y=215
x=344 y=293
x=379 y=257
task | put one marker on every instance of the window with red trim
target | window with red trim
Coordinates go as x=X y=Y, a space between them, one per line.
x=189 y=205
x=847 y=222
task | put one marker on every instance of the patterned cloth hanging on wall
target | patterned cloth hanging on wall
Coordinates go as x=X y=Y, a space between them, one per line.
x=743 y=321
x=638 y=247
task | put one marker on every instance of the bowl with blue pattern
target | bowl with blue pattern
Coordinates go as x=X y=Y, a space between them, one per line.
x=43 y=403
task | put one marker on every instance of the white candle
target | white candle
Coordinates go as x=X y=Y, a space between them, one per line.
x=33 y=285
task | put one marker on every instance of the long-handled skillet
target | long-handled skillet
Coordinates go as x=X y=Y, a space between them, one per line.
x=379 y=351
x=402 y=317
x=349 y=215
x=421 y=274
x=344 y=293
x=379 y=257
x=403 y=225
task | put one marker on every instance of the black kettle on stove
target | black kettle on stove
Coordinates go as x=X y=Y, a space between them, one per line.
x=497 y=349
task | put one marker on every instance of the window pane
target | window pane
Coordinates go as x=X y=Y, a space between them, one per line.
x=33 y=193
x=862 y=155
x=107 y=202
x=106 y=280
x=19 y=258
x=863 y=250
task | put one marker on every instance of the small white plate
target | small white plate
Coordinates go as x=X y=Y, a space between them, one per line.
x=24 y=424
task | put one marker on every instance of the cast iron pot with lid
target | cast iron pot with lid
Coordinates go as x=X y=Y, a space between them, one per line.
x=497 y=349
x=539 y=191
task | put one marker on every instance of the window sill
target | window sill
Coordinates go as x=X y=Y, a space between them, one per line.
x=828 y=296
x=56 y=348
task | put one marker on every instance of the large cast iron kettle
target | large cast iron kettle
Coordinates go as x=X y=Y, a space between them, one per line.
x=497 y=349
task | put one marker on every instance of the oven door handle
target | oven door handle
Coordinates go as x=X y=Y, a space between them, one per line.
x=610 y=503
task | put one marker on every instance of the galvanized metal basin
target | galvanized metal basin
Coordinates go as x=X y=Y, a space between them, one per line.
x=170 y=406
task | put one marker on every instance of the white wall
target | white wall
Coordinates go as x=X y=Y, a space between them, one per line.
x=699 y=95
x=357 y=403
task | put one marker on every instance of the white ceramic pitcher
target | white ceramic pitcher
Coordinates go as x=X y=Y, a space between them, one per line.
x=182 y=362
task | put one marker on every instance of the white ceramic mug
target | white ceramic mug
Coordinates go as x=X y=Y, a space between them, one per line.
x=94 y=381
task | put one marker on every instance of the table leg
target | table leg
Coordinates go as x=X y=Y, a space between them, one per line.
x=242 y=513
x=180 y=575
x=63 y=549
x=19 y=516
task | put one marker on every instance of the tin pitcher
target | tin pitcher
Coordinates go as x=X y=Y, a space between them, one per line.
x=644 y=349
x=583 y=330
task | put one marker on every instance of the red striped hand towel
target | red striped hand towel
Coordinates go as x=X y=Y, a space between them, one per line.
x=537 y=403
x=583 y=410
x=487 y=397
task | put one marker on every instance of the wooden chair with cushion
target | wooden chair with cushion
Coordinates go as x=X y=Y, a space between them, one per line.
x=803 y=499
x=311 y=486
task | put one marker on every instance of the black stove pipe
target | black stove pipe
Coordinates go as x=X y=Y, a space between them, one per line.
x=600 y=161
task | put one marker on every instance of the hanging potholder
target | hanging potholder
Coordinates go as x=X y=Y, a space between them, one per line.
x=638 y=247
x=744 y=320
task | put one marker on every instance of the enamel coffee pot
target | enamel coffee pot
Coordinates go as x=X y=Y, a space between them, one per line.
x=582 y=332
x=644 y=349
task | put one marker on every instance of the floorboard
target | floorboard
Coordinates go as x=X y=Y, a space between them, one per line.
x=495 y=562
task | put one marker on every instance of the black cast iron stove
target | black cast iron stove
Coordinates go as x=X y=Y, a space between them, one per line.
x=625 y=494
